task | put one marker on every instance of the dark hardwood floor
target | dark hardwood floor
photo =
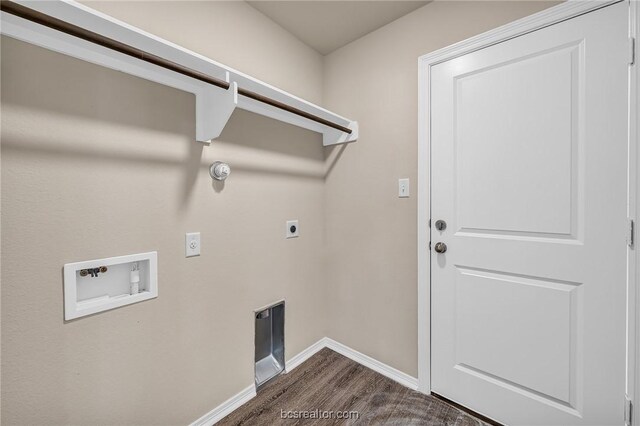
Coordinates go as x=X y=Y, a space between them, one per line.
x=329 y=381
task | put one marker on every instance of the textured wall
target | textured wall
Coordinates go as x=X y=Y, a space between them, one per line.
x=371 y=233
x=97 y=163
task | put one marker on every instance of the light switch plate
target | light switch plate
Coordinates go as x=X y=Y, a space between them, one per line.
x=192 y=244
x=403 y=188
x=293 y=229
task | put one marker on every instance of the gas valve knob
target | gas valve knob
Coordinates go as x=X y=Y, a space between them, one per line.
x=219 y=170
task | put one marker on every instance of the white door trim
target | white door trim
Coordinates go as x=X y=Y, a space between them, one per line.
x=564 y=11
x=633 y=291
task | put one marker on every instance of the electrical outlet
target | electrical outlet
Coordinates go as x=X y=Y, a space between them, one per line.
x=403 y=188
x=192 y=244
x=293 y=229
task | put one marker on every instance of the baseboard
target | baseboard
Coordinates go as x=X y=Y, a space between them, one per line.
x=382 y=368
x=305 y=355
x=231 y=404
x=248 y=393
x=222 y=410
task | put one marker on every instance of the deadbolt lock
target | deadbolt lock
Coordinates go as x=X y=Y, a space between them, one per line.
x=441 y=225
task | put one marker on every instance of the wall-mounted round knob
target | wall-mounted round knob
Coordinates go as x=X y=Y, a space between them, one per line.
x=440 y=247
x=219 y=170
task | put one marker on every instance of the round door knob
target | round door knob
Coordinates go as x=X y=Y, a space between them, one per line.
x=440 y=247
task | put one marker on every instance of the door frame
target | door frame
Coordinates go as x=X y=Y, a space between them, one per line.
x=633 y=262
x=553 y=15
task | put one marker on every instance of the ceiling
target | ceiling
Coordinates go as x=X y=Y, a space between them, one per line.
x=329 y=25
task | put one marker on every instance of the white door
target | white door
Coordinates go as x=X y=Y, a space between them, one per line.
x=529 y=172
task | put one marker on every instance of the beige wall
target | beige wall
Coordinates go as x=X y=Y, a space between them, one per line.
x=371 y=233
x=97 y=163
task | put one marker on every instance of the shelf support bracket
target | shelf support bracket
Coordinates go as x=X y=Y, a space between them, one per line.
x=213 y=109
x=334 y=136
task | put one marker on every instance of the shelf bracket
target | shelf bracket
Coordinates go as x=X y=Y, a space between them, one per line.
x=334 y=136
x=214 y=107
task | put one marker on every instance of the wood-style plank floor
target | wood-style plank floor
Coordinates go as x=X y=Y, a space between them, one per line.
x=329 y=381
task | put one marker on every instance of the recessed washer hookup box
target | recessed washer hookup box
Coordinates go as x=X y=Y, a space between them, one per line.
x=98 y=285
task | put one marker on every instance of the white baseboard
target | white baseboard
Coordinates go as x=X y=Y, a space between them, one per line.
x=231 y=404
x=248 y=393
x=305 y=354
x=222 y=410
x=382 y=368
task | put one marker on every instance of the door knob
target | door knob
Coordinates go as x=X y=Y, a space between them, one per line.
x=440 y=247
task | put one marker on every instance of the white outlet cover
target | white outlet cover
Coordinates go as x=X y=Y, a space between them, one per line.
x=192 y=244
x=293 y=229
